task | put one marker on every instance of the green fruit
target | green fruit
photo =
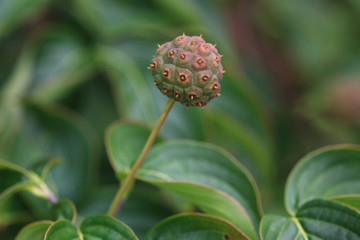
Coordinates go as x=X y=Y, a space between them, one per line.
x=188 y=69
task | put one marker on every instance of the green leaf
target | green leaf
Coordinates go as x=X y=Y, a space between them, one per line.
x=63 y=64
x=106 y=228
x=63 y=209
x=317 y=219
x=14 y=211
x=109 y=19
x=124 y=142
x=58 y=132
x=202 y=173
x=34 y=231
x=145 y=206
x=13 y=91
x=14 y=12
x=207 y=176
x=239 y=137
x=131 y=89
x=328 y=172
x=62 y=229
x=349 y=200
x=94 y=227
x=43 y=167
x=195 y=226
x=11 y=180
x=15 y=178
x=14 y=189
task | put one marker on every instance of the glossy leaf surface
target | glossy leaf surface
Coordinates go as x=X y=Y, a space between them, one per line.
x=94 y=227
x=106 y=228
x=62 y=229
x=195 y=227
x=317 y=219
x=325 y=173
x=202 y=173
x=350 y=200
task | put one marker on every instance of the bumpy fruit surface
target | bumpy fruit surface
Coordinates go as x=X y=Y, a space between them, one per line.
x=188 y=69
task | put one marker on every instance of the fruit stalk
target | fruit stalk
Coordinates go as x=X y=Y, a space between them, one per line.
x=126 y=184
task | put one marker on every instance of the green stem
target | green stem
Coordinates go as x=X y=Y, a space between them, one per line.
x=126 y=184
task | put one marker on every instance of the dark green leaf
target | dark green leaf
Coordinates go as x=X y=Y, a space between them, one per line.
x=196 y=227
x=94 y=227
x=63 y=209
x=15 y=178
x=204 y=174
x=59 y=133
x=208 y=176
x=131 y=89
x=11 y=112
x=61 y=230
x=107 y=18
x=328 y=172
x=63 y=64
x=105 y=228
x=315 y=220
x=144 y=208
x=14 y=12
x=237 y=136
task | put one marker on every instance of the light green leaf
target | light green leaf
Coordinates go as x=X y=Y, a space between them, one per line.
x=94 y=227
x=208 y=176
x=124 y=142
x=349 y=200
x=17 y=187
x=325 y=173
x=278 y=227
x=34 y=231
x=202 y=173
x=15 y=178
x=105 y=228
x=214 y=202
x=315 y=220
x=62 y=229
x=196 y=227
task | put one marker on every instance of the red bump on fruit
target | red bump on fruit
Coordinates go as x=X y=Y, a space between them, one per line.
x=171 y=53
x=182 y=78
x=192 y=96
x=199 y=63
x=156 y=83
x=166 y=73
x=183 y=56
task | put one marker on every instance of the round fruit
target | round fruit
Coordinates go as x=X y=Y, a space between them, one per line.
x=188 y=69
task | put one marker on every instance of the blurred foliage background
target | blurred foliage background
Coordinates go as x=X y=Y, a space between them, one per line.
x=68 y=68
